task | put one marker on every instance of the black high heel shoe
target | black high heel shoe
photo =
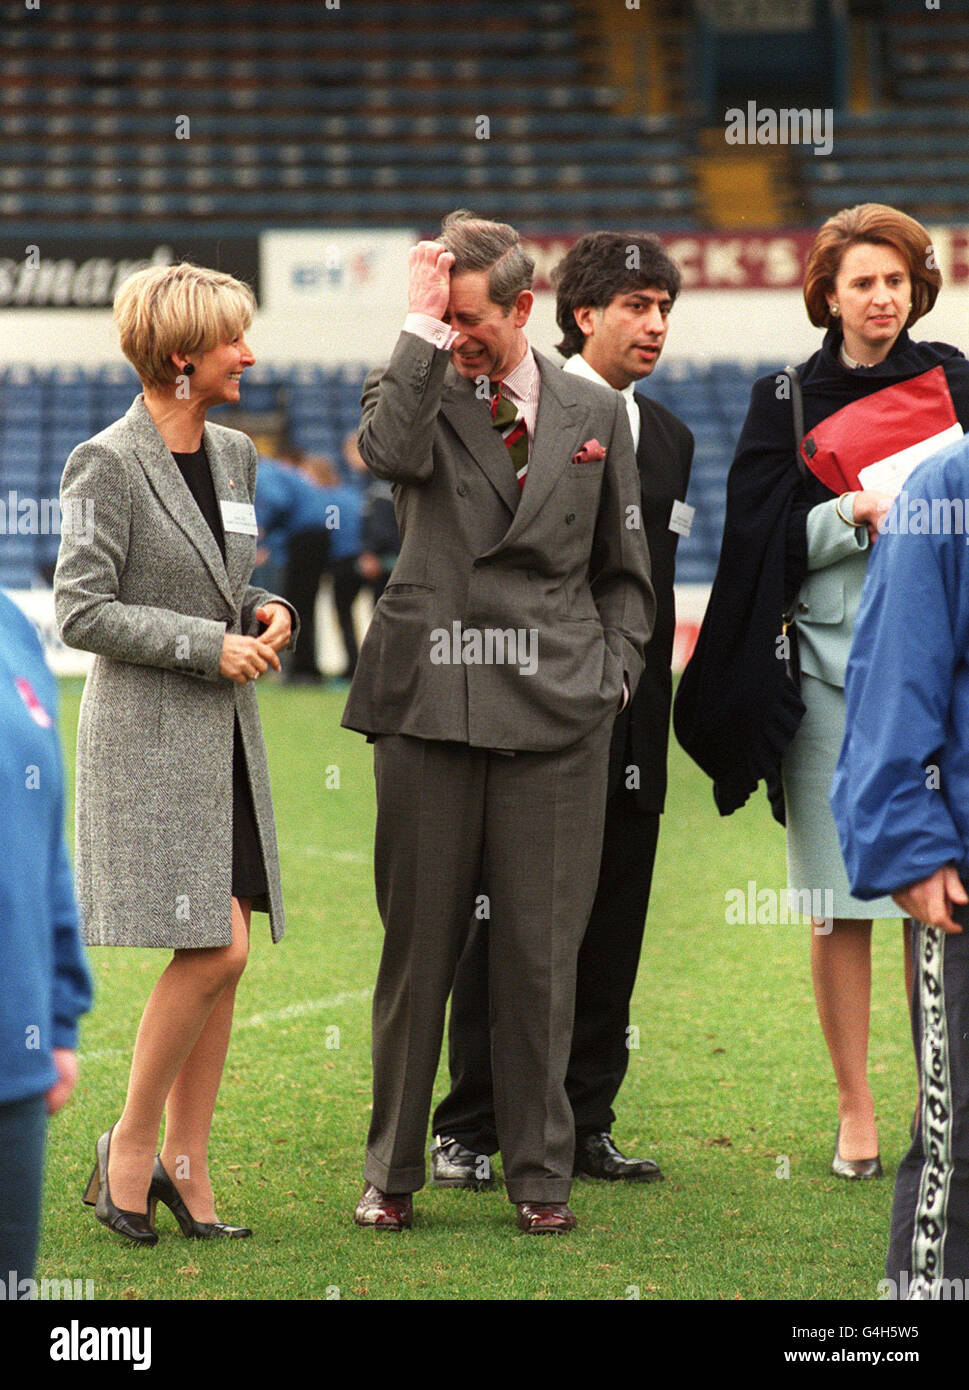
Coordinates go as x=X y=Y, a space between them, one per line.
x=133 y=1225
x=854 y=1167
x=164 y=1190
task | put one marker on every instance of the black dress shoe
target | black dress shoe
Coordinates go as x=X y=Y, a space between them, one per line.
x=596 y=1156
x=452 y=1165
x=853 y=1168
x=164 y=1190
x=133 y=1225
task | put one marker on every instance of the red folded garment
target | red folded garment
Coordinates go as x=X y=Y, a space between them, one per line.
x=912 y=413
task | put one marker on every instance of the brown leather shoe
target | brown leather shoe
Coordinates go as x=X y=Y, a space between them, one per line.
x=538 y=1217
x=386 y=1211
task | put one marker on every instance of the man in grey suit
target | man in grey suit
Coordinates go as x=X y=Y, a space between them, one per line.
x=614 y=294
x=511 y=631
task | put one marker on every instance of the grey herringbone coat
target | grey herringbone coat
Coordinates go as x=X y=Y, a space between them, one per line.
x=145 y=588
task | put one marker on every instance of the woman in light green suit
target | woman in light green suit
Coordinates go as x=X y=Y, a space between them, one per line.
x=796 y=547
x=866 y=280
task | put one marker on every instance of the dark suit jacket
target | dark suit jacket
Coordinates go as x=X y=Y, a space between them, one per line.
x=641 y=734
x=563 y=562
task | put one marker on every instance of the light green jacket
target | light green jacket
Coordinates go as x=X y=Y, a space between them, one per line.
x=829 y=597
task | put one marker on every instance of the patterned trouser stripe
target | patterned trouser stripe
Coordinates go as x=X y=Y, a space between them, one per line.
x=928 y=1239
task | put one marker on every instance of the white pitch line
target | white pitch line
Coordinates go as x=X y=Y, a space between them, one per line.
x=306 y=1006
x=298 y=1010
x=342 y=856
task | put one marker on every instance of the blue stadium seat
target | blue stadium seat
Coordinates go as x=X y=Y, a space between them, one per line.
x=322 y=405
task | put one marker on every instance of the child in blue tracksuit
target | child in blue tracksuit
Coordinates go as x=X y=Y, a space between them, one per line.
x=44 y=980
x=901 y=800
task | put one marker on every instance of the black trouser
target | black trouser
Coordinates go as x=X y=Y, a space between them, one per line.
x=607 y=965
x=309 y=556
x=929 y=1242
x=347 y=583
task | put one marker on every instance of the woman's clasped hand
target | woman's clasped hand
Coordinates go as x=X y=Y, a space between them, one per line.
x=871 y=509
x=245 y=659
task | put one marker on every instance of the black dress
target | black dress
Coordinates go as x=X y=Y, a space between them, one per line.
x=248 y=869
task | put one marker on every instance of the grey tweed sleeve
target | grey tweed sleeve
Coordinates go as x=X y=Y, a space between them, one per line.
x=95 y=533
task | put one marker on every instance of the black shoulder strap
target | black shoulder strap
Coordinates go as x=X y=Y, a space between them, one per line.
x=797 y=404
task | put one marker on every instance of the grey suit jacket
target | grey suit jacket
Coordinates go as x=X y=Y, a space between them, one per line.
x=556 y=579
x=146 y=589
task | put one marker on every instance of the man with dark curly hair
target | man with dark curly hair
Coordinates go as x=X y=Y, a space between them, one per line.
x=613 y=296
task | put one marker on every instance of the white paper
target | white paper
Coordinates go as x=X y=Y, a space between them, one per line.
x=888 y=474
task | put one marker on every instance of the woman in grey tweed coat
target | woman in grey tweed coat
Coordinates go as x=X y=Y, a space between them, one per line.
x=175 y=836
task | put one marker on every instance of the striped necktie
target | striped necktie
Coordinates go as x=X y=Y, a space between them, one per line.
x=513 y=430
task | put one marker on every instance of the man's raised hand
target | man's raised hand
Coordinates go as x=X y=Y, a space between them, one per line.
x=430 y=279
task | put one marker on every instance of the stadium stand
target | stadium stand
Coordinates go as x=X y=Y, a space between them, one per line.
x=303 y=115
x=44 y=414
x=909 y=149
x=296 y=114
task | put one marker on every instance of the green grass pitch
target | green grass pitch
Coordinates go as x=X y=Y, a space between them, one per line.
x=730 y=1087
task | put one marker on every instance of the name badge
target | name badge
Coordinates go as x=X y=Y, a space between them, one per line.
x=681 y=518
x=240 y=518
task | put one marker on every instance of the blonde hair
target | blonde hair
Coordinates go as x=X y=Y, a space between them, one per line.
x=180 y=308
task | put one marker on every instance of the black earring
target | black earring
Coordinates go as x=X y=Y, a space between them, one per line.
x=189 y=368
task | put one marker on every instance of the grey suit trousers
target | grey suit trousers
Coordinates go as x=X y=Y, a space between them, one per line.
x=450 y=818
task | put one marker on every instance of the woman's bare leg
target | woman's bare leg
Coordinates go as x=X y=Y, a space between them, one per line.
x=172 y=1023
x=841 y=969
x=191 y=1100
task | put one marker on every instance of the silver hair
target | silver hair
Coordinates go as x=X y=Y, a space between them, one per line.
x=477 y=244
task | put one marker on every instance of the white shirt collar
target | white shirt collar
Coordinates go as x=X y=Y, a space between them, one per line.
x=580 y=367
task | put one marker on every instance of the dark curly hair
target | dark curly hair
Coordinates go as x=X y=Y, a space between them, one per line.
x=601 y=265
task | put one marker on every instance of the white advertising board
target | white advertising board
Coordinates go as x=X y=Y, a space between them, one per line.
x=38 y=605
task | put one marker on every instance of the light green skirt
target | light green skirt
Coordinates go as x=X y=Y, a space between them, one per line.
x=814 y=862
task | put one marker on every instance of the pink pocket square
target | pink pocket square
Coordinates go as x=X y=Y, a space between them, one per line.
x=591 y=452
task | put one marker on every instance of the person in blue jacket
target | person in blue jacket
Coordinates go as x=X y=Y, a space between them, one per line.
x=44 y=981
x=349 y=577
x=287 y=503
x=296 y=517
x=308 y=528
x=901 y=802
